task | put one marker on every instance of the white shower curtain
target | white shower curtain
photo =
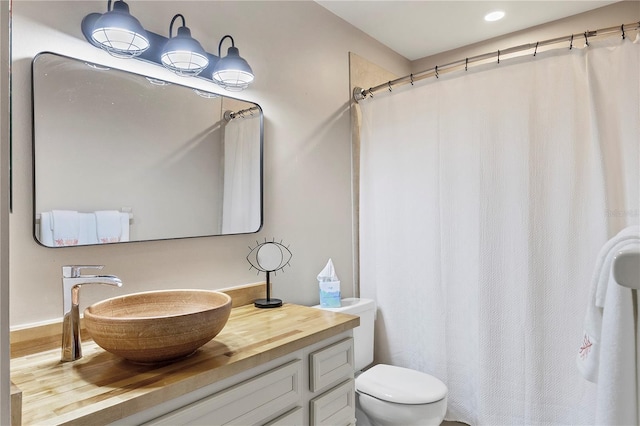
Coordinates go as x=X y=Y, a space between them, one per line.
x=241 y=199
x=485 y=198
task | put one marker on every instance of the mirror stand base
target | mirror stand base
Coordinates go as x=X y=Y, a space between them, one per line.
x=267 y=303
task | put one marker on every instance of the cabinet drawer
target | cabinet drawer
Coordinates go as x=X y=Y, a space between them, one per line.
x=294 y=417
x=251 y=402
x=335 y=407
x=331 y=365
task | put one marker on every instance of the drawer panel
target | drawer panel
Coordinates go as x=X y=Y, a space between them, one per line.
x=251 y=402
x=331 y=365
x=335 y=407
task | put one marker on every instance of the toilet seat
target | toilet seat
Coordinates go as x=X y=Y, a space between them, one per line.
x=400 y=385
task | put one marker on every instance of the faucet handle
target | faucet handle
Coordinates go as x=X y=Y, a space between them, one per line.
x=73 y=271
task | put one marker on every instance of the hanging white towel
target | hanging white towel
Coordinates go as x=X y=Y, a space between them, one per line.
x=588 y=357
x=65 y=225
x=108 y=226
x=617 y=401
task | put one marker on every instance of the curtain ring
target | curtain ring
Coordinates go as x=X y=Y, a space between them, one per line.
x=466 y=64
x=498 y=56
x=536 y=50
x=370 y=92
x=389 y=84
x=622 y=29
x=571 y=43
x=411 y=76
x=586 y=39
x=437 y=76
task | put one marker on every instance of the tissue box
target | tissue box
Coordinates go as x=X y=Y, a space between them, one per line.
x=329 y=294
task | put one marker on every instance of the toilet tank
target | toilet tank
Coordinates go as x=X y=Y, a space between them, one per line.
x=363 y=334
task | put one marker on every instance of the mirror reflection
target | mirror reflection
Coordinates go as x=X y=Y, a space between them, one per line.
x=121 y=157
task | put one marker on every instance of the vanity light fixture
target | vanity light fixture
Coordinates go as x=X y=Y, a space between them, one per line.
x=183 y=54
x=122 y=35
x=232 y=72
x=118 y=32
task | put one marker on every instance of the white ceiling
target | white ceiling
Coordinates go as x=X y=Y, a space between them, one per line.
x=416 y=29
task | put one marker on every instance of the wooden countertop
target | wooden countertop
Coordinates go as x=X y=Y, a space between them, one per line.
x=101 y=388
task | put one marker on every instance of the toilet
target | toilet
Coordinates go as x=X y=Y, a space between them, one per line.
x=388 y=395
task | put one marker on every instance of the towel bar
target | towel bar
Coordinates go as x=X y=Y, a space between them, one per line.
x=121 y=211
x=626 y=268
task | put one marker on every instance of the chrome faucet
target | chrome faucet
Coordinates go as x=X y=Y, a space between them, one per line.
x=71 y=282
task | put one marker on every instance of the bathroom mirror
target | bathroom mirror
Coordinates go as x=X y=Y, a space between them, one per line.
x=121 y=157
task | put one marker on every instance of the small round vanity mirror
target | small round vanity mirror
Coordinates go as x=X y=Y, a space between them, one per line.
x=269 y=256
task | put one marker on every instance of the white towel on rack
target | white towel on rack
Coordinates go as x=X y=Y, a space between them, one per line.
x=617 y=398
x=65 y=225
x=108 y=226
x=588 y=357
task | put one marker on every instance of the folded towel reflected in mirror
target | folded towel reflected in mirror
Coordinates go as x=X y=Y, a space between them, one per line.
x=109 y=226
x=65 y=225
x=59 y=228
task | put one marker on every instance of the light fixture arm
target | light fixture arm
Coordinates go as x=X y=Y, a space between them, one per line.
x=184 y=23
x=220 y=44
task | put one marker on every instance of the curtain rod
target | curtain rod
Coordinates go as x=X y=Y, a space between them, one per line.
x=230 y=115
x=360 y=93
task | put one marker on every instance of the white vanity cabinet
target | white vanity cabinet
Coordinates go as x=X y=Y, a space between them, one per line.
x=311 y=386
x=287 y=366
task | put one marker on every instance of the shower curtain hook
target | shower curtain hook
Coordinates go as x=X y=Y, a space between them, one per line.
x=370 y=92
x=622 y=29
x=498 y=55
x=571 y=43
x=411 y=76
x=437 y=76
x=389 y=84
x=586 y=39
x=466 y=64
x=536 y=50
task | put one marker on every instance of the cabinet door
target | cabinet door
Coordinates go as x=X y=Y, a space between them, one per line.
x=335 y=407
x=331 y=365
x=252 y=402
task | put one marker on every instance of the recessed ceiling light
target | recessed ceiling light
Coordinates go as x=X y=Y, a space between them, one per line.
x=494 y=16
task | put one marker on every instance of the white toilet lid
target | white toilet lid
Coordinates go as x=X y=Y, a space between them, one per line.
x=400 y=385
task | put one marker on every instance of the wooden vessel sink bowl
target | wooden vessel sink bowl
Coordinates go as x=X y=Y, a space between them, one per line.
x=157 y=326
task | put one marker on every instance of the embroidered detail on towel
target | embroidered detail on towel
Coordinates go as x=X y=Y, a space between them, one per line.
x=110 y=240
x=60 y=242
x=585 y=349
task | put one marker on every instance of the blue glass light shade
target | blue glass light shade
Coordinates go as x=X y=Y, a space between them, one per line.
x=119 y=33
x=184 y=55
x=232 y=72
